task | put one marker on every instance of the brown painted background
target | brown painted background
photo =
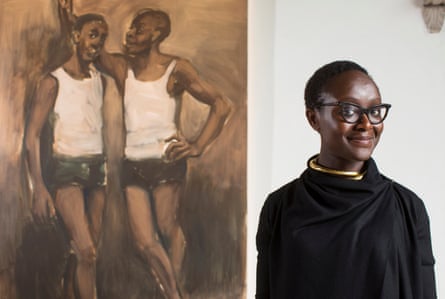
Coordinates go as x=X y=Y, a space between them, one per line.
x=213 y=36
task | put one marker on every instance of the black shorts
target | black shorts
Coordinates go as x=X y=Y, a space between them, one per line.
x=87 y=172
x=150 y=173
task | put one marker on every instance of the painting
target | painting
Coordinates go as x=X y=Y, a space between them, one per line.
x=123 y=157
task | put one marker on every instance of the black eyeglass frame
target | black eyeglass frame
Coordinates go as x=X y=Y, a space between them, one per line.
x=362 y=111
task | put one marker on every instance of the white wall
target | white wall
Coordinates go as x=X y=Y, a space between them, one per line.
x=289 y=40
x=260 y=120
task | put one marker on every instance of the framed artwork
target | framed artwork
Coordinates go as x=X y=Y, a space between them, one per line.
x=123 y=157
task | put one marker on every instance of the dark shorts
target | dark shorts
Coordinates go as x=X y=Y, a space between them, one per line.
x=150 y=173
x=87 y=172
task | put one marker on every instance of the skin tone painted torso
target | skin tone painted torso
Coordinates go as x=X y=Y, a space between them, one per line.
x=346 y=146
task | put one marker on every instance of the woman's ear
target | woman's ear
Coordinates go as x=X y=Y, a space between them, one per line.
x=313 y=117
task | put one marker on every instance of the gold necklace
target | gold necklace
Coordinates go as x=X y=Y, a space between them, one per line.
x=352 y=175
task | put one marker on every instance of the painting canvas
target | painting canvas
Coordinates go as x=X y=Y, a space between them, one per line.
x=97 y=178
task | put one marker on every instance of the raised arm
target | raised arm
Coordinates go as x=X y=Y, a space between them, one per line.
x=114 y=65
x=43 y=206
x=189 y=80
x=66 y=17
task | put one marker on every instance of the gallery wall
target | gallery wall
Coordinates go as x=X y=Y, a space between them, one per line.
x=289 y=39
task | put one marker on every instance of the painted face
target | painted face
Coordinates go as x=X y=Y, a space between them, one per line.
x=90 y=40
x=141 y=35
x=346 y=146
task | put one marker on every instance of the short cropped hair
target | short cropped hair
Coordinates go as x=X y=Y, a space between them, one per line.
x=317 y=82
x=86 y=18
x=162 y=19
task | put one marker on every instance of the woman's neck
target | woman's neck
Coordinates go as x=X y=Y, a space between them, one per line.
x=316 y=165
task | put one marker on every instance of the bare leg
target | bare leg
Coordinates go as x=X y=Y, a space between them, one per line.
x=70 y=205
x=96 y=203
x=167 y=203
x=141 y=223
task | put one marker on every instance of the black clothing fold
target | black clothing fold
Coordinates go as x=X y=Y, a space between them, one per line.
x=326 y=236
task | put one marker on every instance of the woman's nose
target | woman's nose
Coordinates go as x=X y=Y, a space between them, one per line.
x=364 y=121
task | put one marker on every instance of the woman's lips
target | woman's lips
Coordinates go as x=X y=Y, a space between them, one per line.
x=364 y=141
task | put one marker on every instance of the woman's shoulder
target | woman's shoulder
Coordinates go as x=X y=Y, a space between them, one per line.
x=410 y=200
x=275 y=201
x=278 y=196
x=405 y=193
x=285 y=190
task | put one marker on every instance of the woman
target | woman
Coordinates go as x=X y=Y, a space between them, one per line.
x=343 y=230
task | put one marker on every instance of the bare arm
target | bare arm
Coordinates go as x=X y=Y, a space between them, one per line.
x=43 y=102
x=188 y=78
x=66 y=17
x=114 y=65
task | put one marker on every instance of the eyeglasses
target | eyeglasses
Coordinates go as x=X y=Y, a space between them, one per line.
x=352 y=113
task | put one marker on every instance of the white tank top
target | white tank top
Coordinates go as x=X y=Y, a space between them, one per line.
x=149 y=116
x=78 y=115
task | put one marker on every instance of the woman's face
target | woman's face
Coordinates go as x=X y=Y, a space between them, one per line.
x=346 y=146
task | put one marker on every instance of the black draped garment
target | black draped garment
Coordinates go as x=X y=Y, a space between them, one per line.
x=323 y=236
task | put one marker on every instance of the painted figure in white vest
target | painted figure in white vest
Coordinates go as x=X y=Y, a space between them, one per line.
x=156 y=153
x=71 y=99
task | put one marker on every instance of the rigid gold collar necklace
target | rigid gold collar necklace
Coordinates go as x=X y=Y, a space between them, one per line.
x=352 y=175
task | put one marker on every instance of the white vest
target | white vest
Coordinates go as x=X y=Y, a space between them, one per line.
x=78 y=115
x=149 y=116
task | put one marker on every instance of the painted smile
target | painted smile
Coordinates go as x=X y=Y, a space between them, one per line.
x=92 y=53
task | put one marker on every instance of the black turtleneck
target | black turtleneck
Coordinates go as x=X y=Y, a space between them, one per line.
x=323 y=236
